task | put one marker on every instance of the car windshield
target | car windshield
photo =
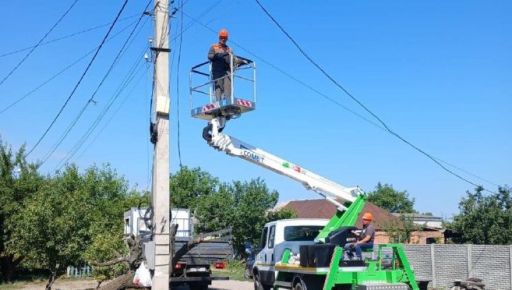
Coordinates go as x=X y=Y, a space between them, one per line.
x=301 y=233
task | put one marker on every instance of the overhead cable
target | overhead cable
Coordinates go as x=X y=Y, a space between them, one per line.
x=80 y=80
x=178 y=84
x=105 y=76
x=127 y=79
x=310 y=87
x=64 y=37
x=38 y=43
x=15 y=102
x=388 y=129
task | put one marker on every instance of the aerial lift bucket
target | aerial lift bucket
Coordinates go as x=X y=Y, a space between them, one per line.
x=203 y=102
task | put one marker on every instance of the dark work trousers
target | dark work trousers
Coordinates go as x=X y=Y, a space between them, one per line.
x=223 y=88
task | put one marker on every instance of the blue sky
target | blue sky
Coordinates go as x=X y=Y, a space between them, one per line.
x=437 y=72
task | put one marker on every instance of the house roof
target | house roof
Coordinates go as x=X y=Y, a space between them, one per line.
x=321 y=208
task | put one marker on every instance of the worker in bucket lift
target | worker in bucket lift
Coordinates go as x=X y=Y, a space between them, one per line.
x=365 y=239
x=221 y=56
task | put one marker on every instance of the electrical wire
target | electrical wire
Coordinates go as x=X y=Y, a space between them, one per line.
x=38 y=43
x=336 y=83
x=127 y=79
x=117 y=110
x=65 y=36
x=60 y=72
x=178 y=85
x=105 y=76
x=328 y=98
x=290 y=76
x=80 y=80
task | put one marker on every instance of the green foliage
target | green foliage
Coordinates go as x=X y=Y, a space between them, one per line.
x=19 y=180
x=485 y=219
x=187 y=185
x=52 y=228
x=215 y=211
x=395 y=201
x=400 y=232
x=240 y=205
x=283 y=213
x=70 y=216
x=105 y=248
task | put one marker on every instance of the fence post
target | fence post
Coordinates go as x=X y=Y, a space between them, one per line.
x=433 y=263
x=470 y=260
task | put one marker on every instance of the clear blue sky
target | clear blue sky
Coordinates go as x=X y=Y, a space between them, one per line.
x=438 y=72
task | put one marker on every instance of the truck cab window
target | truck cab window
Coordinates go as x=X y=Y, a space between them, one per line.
x=301 y=233
x=263 y=241
x=271 y=237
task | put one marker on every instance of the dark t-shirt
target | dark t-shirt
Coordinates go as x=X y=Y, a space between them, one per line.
x=368 y=230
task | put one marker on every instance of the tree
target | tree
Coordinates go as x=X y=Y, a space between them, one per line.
x=244 y=206
x=400 y=231
x=283 y=213
x=67 y=214
x=52 y=231
x=187 y=185
x=392 y=200
x=19 y=180
x=484 y=219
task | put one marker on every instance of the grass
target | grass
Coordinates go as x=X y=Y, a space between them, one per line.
x=234 y=270
x=15 y=285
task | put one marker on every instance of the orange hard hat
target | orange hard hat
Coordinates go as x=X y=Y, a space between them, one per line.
x=223 y=33
x=368 y=216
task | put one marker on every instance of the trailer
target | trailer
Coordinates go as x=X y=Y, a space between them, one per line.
x=192 y=255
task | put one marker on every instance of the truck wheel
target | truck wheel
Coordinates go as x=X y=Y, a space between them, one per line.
x=247 y=274
x=257 y=283
x=198 y=286
x=299 y=285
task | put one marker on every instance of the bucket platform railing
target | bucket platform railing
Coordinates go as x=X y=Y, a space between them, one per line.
x=204 y=104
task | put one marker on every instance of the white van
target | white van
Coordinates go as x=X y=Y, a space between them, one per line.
x=275 y=238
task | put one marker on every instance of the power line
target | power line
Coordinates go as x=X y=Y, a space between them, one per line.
x=127 y=79
x=116 y=111
x=59 y=73
x=359 y=102
x=65 y=36
x=91 y=99
x=304 y=84
x=178 y=83
x=38 y=43
x=81 y=78
x=310 y=87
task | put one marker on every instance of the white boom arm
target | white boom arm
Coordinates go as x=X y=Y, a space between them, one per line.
x=232 y=146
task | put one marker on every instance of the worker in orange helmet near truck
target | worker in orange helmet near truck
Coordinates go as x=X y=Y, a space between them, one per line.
x=221 y=57
x=365 y=238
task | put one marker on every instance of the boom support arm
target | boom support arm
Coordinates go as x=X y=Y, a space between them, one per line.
x=234 y=147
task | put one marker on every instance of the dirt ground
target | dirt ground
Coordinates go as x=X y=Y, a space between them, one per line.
x=91 y=284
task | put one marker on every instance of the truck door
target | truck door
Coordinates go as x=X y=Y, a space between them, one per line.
x=261 y=257
x=266 y=256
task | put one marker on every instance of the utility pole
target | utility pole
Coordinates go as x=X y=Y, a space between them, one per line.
x=160 y=198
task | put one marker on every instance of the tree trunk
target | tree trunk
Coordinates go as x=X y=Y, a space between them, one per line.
x=120 y=282
x=51 y=280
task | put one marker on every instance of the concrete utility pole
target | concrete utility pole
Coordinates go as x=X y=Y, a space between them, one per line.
x=160 y=193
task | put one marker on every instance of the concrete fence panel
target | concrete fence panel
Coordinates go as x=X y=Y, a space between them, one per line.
x=443 y=264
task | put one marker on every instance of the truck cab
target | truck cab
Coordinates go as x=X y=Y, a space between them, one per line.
x=277 y=236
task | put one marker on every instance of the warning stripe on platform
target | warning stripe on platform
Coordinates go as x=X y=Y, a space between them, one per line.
x=244 y=103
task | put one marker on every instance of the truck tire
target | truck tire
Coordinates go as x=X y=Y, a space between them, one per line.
x=247 y=274
x=258 y=285
x=299 y=285
x=198 y=286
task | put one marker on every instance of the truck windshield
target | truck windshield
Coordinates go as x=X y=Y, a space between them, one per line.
x=301 y=233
